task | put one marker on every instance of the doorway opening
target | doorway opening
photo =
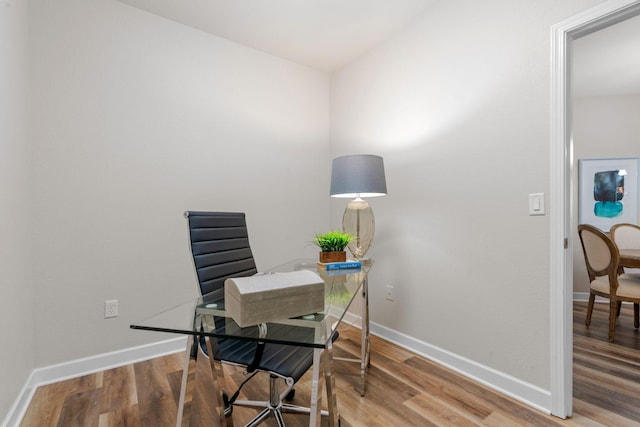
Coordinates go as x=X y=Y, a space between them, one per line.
x=562 y=164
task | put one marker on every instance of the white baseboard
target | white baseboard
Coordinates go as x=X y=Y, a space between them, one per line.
x=584 y=297
x=581 y=296
x=85 y=366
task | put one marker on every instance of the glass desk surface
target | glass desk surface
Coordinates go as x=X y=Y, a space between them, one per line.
x=314 y=330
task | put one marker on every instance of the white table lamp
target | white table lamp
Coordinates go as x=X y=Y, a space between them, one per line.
x=358 y=176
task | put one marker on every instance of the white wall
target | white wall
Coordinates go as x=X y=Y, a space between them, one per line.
x=458 y=105
x=603 y=126
x=136 y=120
x=16 y=291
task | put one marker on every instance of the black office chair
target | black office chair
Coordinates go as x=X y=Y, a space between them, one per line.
x=220 y=249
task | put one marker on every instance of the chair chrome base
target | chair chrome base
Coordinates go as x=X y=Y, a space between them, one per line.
x=274 y=406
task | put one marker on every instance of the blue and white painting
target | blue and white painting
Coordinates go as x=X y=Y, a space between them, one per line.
x=608 y=192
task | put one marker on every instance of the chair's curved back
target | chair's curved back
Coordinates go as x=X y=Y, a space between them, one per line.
x=626 y=236
x=220 y=248
x=600 y=253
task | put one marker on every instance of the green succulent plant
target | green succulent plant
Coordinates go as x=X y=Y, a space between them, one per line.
x=333 y=241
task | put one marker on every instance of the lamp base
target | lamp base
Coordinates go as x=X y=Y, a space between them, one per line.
x=358 y=220
x=366 y=261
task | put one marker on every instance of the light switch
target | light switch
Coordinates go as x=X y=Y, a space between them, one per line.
x=536 y=204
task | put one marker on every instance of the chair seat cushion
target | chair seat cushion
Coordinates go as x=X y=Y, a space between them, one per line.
x=286 y=360
x=628 y=286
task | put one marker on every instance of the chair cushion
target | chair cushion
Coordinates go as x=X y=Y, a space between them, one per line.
x=286 y=360
x=628 y=286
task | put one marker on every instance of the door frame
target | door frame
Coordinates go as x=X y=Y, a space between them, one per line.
x=561 y=192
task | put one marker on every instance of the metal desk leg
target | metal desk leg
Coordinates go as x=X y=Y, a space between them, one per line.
x=332 y=401
x=368 y=358
x=365 y=344
x=218 y=381
x=186 y=388
x=316 y=390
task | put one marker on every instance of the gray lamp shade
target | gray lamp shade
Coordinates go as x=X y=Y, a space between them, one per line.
x=358 y=175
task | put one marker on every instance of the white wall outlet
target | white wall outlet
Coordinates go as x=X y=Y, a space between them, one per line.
x=111 y=308
x=390 y=293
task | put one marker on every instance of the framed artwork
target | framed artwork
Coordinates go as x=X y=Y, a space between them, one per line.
x=608 y=192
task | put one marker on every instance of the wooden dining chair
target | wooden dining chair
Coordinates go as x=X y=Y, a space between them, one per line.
x=602 y=259
x=626 y=236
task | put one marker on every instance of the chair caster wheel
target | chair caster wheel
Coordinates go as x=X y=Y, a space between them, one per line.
x=289 y=397
x=228 y=411
x=228 y=407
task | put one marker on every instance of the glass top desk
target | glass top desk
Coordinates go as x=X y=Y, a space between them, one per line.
x=196 y=318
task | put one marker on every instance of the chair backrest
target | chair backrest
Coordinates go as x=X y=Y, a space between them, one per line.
x=220 y=248
x=600 y=253
x=626 y=236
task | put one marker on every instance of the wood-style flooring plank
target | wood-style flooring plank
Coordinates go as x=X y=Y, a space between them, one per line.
x=128 y=416
x=119 y=386
x=81 y=409
x=156 y=401
x=48 y=400
x=439 y=412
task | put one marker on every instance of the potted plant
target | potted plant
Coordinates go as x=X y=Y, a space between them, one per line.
x=332 y=245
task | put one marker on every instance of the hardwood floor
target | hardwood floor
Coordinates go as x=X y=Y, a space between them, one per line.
x=403 y=389
x=606 y=376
